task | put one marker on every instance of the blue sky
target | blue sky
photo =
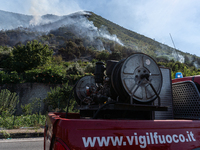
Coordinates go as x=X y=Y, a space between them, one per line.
x=153 y=18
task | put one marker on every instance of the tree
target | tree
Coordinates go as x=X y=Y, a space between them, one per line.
x=103 y=55
x=115 y=55
x=31 y=55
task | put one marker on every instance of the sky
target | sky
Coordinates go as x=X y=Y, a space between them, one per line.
x=156 y=19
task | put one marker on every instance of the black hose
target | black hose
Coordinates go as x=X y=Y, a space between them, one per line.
x=97 y=112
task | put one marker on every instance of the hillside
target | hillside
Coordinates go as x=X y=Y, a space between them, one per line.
x=139 y=42
x=87 y=30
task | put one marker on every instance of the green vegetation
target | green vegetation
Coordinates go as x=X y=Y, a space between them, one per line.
x=131 y=39
x=28 y=109
x=11 y=121
x=29 y=56
x=45 y=68
x=61 y=57
x=180 y=67
x=34 y=62
x=58 y=98
x=8 y=102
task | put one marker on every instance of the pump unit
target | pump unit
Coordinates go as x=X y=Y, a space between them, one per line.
x=129 y=88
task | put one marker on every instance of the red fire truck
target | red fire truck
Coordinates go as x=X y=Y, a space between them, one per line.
x=129 y=104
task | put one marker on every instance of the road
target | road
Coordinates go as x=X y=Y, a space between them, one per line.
x=22 y=144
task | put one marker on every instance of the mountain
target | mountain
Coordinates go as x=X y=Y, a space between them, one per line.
x=13 y=20
x=92 y=31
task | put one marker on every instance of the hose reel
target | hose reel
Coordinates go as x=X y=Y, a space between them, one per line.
x=83 y=88
x=141 y=78
x=136 y=79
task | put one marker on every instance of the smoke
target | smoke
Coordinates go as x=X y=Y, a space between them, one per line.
x=76 y=23
x=36 y=20
x=51 y=15
x=152 y=18
x=36 y=14
x=85 y=28
x=178 y=57
x=172 y=54
x=103 y=32
x=39 y=8
x=192 y=59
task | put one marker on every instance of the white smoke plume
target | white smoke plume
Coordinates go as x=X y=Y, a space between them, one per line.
x=103 y=32
x=178 y=57
x=79 y=24
x=39 y=8
x=36 y=12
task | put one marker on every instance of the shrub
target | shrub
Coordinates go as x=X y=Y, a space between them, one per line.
x=31 y=55
x=58 y=98
x=35 y=105
x=103 y=55
x=115 y=55
x=90 y=68
x=51 y=73
x=12 y=77
x=8 y=101
x=75 y=69
x=5 y=60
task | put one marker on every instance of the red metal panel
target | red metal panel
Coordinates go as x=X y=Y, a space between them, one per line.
x=191 y=78
x=182 y=79
x=129 y=134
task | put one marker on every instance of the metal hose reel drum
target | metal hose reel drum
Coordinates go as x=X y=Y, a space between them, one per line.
x=80 y=91
x=137 y=77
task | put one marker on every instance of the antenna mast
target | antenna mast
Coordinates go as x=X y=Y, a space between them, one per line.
x=175 y=52
x=172 y=41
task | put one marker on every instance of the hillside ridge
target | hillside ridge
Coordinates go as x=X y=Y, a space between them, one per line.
x=94 y=30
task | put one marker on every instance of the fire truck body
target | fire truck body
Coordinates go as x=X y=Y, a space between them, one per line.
x=135 y=105
x=121 y=134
